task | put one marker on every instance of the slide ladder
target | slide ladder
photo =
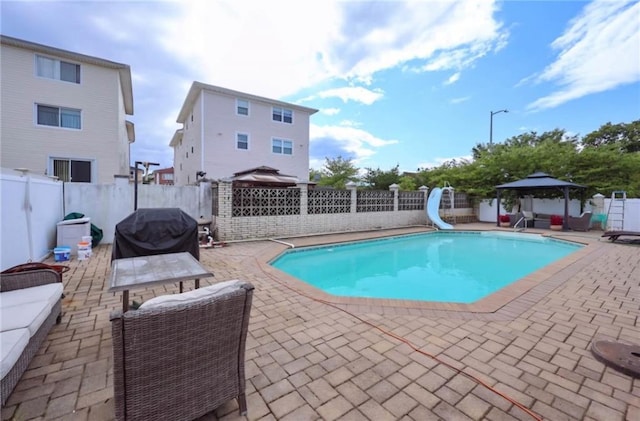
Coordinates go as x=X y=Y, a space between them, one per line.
x=433 y=206
x=615 y=214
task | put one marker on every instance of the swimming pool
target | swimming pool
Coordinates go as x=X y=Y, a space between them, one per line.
x=458 y=267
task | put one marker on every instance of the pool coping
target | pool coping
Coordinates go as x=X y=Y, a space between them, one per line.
x=504 y=304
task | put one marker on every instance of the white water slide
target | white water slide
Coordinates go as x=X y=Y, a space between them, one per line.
x=433 y=204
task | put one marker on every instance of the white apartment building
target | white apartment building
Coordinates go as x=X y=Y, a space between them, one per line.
x=64 y=114
x=224 y=132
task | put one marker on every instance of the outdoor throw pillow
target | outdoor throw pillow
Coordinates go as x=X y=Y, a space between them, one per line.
x=192 y=296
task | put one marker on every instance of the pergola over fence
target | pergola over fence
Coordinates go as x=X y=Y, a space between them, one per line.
x=537 y=181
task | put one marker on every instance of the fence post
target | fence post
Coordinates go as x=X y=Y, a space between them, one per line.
x=425 y=192
x=394 y=188
x=354 y=195
x=304 y=198
x=225 y=210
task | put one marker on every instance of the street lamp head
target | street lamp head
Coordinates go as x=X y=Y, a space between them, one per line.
x=499 y=111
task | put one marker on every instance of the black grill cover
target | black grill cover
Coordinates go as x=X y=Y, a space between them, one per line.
x=156 y=231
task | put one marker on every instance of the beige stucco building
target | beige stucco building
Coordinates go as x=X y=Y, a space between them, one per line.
x=225 y=131
x=64 y=114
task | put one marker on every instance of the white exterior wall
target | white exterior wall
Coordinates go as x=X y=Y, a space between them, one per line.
x=222 y=159
x=210 y=125
x=187 y=154
x=102 y=138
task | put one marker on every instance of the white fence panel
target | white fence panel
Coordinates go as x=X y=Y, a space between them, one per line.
x=631 y=213
x=487 y=210
x=31 y=208
x=108 y=204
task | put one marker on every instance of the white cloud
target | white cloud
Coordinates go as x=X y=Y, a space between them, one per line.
x=459 y=100
x=330 y=111
x=242 y=45
x=444 y=35
x=358 y=144
x=599 y=51
x=453 y=78
x=267 y=48
x=350 y=123
x=353 y=93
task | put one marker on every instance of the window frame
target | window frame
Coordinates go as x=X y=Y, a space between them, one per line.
x=279 y=114
x=238 y=107
x=60 y=115
x=57 y=69
x=282 y=147
x=238 y=134
x=70 y=161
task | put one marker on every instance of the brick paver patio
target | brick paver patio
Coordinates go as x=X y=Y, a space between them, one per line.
x=309 y=360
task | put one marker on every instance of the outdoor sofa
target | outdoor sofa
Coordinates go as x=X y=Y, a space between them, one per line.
x=181 y=356
x=30 y=304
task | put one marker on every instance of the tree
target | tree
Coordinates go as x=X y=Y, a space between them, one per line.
x=381 y=180
x=625 y=136
x=603 y=161
x=314 y=175
x=337 y=172
x=407 y=183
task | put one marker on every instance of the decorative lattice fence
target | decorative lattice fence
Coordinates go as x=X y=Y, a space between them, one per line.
x=328 y=201
x=410 y=200
x=214 y=200
x=265 y=201
x=374 y=201
x=460 y=200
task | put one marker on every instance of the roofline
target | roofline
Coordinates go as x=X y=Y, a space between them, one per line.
x=197 y=87
x=123 y=69
x=176 y=137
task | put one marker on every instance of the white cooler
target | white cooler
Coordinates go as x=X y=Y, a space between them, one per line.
x=70 y=232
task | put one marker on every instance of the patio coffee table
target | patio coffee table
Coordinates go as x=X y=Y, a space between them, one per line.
x=144 y=271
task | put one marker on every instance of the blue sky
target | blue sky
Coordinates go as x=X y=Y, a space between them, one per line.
x=397 y=83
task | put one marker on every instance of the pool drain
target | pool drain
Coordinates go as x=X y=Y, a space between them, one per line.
x=622 y=357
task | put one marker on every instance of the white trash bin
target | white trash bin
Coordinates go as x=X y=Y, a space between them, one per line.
x=70 y=233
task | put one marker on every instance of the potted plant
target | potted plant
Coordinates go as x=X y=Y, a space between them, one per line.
x=555 y=222
x=505 y=221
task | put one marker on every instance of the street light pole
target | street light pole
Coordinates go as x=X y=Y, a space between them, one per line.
x=491 y=124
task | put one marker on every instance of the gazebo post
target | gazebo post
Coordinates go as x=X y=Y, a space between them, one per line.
x=565 y=220
x=498 y=209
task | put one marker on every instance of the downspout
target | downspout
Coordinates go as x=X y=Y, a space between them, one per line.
x=498 y=209
x=202 y=131
x=282 y=242
x=565 y=221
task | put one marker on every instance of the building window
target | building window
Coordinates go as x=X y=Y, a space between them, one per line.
x=281 y=146
x=242 y=141
x=58 y=117
x=72 y=170
x=282 y=114
x=242 y=106
x=167 y=176
x=57 y=69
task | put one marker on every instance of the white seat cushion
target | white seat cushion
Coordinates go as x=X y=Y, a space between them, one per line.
x=192 y=296
x=49 y=292
x=12 y=343
x=27 y=315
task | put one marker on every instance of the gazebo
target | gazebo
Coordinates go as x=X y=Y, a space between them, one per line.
x=537 y=181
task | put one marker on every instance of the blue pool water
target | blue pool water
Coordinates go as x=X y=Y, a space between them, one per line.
x=446 y=267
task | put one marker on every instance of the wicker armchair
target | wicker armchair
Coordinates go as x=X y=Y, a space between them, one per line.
x=182 y=361
x=580 y=223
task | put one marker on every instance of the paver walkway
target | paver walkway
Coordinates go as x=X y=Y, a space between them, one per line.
x=308 y=360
